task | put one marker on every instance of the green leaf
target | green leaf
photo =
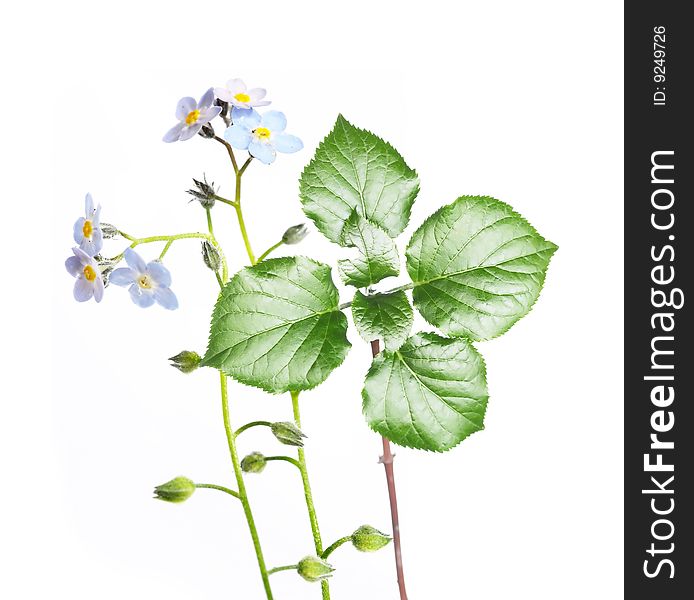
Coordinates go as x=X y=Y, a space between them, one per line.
x=377 y=255
x=383 y=316
x=477 y=267
x=277 y=326
x=431 y=394
x=355 y=170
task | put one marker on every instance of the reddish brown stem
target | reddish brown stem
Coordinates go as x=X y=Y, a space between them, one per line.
x=387 y=460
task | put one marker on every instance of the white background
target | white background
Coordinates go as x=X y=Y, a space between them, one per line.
x=521 y=101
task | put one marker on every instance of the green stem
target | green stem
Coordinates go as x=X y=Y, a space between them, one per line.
x=288 y=459
x=170 y=239
x=325 y=588
x=243 y=428
x=243 y=496
x=221 y=488
x=269 y=250
x=209 y=222
x=165 y=250
x=242 y=223
x=330 y=549
x=284 y=568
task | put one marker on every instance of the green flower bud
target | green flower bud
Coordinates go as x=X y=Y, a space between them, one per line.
x=369 y=539
x=109 y=231
x=295 y=234
x=207 y=131
x=312 y=568
x=204 y=193
x=253 y=463
x=186 y=361
x=288 y=433
x=176 y=490
x=210 y=256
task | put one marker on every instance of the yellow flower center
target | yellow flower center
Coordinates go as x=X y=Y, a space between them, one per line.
x=145 y=282
x=89 y=273
x=242 y=97
x=263 y=133
x=87 y=229
x=192 y=117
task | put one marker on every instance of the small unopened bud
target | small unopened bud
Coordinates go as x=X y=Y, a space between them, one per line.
x=204 y=192
x=225 y=111
x=176 y=490
x=295 y=234
x=207 y=131
x=369 y=539
x=288 y=433
x=253 y=463
x=186 y=361
x=312 y=568
x=109 y=231
x=210 y=256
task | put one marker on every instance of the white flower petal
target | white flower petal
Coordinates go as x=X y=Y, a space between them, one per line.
x=223 y=94
x=236 y=86
x=88 y=206
x=185 y=106
x=256 y=95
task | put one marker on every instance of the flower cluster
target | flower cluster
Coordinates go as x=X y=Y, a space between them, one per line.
x=149 y=283
x=261 y=135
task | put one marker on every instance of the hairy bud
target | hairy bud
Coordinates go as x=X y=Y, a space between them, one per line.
x=295 y=234
x=288 y=433
x=312 y=568
x=109 y=231
x=210 y=256
x=203 y=192
x=186 y=361
x=253 y=463
x=176 y=490
x=369 y=539
x=207 y=131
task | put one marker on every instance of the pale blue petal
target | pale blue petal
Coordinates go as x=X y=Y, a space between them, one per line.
x=74 y=266
x=98 y=289
x=88 y=246
x=88 y=206
x=287 y=143
x=142 y=298
x=185 y=106
x=247 y=117
x=135 y=261
x=96 y=217
x=189 y=132
x=166 y=298
x=223 y=94
x=83 y=290
x=77 y=230
x=123 y=276
x=274 y=120
x=98 y=239
x=265 y=153
x=238 y=136
x=174 y=133
x=209 y=114
x=159 y=273
x=207 y=99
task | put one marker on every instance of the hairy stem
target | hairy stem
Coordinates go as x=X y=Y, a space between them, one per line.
x=284 y=568
x=288 y=459
x=335 y=545
x=387 y=460
x=221 y=488
x=243 y=428
x=269 y=250
x=325 y=588
x=243 y=496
